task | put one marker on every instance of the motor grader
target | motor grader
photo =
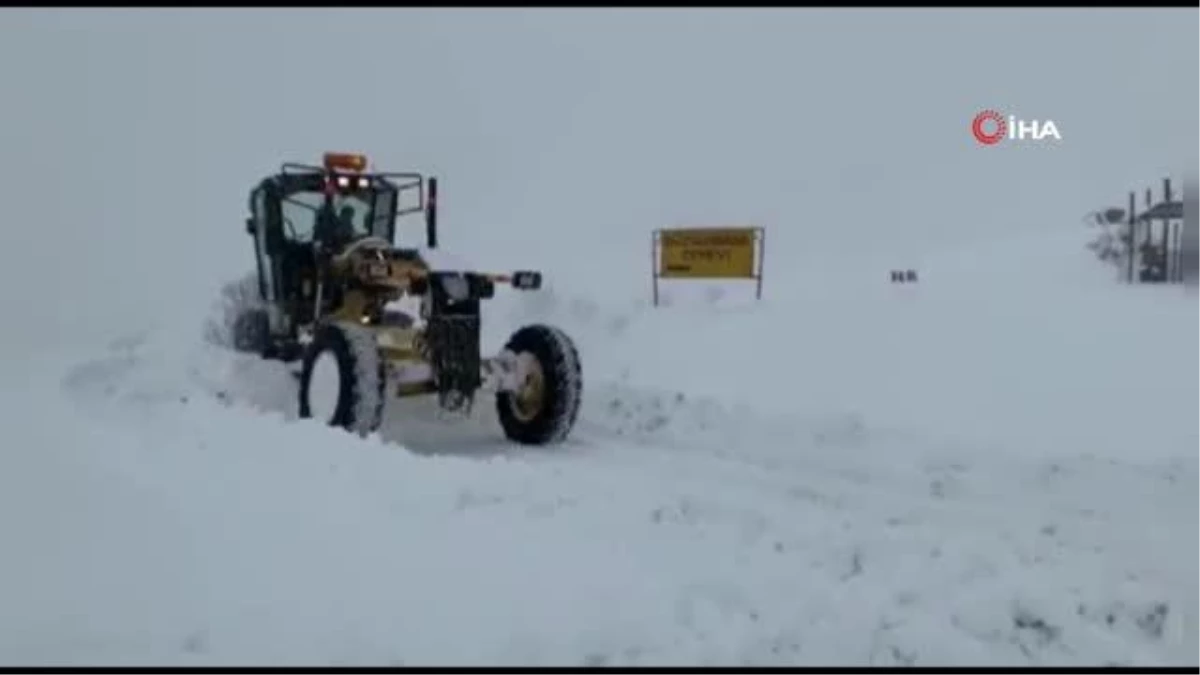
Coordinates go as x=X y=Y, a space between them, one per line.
x=330 y=281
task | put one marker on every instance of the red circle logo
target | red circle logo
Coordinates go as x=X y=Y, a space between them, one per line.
x=981 y=122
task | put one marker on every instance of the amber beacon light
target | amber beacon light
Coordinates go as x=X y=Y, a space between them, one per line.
x=345 y=161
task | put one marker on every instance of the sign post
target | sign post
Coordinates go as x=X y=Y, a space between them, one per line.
x=708 y=253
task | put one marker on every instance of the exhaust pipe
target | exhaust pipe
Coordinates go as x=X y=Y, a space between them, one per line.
x=431 y=198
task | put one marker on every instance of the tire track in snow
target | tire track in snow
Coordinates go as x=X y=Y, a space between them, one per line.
x=810 y=492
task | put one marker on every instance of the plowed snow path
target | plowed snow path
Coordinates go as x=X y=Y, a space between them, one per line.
x=182 y=527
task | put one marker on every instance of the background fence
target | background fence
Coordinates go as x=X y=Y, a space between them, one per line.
x=1157 y=241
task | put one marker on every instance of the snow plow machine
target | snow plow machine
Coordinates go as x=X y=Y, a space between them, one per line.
x=329 y=278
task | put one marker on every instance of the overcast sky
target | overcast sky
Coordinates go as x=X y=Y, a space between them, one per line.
x=834 y=128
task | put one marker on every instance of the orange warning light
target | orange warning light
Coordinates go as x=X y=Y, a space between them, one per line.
x=345 y=161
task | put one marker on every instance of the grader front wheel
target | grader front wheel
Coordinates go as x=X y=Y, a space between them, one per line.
x=544 y=408
x=530 y=398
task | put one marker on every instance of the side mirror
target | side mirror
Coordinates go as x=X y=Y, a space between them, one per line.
x=250 y=226
x=527 y=280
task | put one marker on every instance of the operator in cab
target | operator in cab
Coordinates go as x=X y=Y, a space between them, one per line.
x=333 y=231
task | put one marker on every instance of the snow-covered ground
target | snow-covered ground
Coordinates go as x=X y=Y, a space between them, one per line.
x=996 y=465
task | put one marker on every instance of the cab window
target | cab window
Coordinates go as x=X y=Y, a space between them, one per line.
x=300 y=214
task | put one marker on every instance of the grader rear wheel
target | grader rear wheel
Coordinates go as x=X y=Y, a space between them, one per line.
x=342 y=379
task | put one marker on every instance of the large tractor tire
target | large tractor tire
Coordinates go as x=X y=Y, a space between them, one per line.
x=543 y=411
x=342 y=378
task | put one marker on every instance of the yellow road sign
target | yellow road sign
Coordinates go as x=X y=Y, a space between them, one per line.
x=725 y=253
